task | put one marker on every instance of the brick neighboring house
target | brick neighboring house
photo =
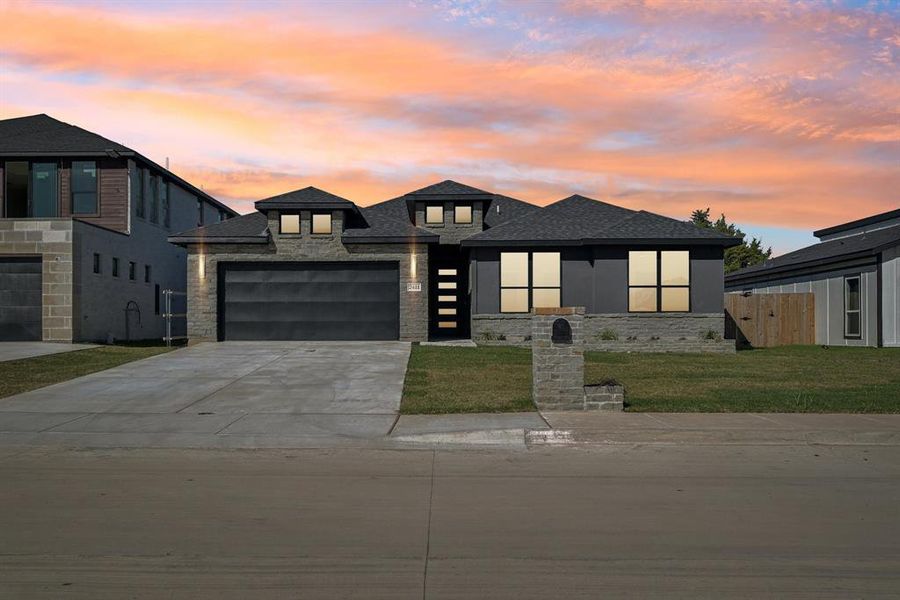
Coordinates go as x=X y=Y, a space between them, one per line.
x=453 y=261
x=84 y=223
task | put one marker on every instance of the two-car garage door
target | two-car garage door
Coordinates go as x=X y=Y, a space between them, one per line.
x=20 y=299
x=309 y=301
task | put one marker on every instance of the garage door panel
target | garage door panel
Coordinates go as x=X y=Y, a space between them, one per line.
x=20 y=299
x=310 y=301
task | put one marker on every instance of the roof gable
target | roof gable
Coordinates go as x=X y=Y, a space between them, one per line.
x=42 y=134
x=305 y=198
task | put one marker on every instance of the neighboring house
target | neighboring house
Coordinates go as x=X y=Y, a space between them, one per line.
x=452 y=261
x=83 y=228
x=854 y=272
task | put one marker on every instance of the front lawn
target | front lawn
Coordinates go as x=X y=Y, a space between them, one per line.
x=17 y=376
x=448 y=379
x=788 y=379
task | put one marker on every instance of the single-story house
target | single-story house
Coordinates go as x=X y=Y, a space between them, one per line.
x=84 y=224
x=453 y=261
x=854 y=273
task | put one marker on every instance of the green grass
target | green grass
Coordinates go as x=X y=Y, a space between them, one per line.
x=787 y=379
x=17 y=376
x=445 y=379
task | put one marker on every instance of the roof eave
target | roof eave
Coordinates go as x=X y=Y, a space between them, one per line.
x=780 y=270
x=206 y=240
x=725 y=242
x=390 y=239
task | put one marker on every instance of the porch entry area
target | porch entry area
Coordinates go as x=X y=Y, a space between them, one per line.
x=448 y=294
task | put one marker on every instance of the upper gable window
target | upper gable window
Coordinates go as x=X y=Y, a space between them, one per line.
x=434 y=214
x=290 y=224
x=462 y=214
x=321 y=223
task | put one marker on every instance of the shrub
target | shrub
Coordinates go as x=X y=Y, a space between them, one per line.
x=609 y=335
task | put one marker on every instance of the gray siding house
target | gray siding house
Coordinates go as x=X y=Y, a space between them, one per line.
x=84 y=223
x=453 y=261
x=854 y=273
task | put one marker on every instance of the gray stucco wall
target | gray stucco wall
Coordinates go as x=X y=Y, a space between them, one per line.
x=828 y=288
x=597 y=278
x=203 y=284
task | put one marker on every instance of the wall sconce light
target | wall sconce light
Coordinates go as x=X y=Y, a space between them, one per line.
x=201 y=265
x=412 y=264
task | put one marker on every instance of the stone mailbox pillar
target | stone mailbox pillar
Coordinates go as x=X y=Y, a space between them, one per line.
x=557 y=358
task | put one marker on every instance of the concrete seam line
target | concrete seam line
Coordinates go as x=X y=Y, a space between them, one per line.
x=428 y=529
x=67 y=422
x=230 y=423
x=217 y=390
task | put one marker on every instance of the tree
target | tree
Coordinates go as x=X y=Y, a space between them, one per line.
x=747 y=254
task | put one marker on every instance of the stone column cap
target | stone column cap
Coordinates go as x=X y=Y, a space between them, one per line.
x=560 y=310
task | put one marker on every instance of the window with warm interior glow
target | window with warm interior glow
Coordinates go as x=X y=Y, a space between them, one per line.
x=434 y=215
x=659 y=281
x=321 y=223
x=290 y=224
x=529 y=280
x=462 y=214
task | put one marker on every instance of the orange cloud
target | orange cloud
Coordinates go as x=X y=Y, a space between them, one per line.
x=662 y=114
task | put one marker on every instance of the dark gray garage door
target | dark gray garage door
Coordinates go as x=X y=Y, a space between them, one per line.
x=309 y=301
x=20 y=299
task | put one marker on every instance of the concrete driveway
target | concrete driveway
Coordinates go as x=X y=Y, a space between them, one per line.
x=233 y=393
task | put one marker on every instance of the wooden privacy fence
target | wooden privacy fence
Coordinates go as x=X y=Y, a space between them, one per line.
x=766 y=320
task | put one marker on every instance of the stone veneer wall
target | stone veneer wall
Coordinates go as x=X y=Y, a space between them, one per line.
x=202 y=320
x=449 y=231
x=657 y=332
x=557 y=369
x=51 y=239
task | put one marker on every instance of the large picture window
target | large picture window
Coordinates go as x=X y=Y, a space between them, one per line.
x=852 y=311
x=659 y=281
x=529 y=280
x=32 y=190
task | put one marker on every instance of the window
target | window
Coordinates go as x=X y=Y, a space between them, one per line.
x=199 y=213
x=146 y=273
x=434 y=214
x=321 y=223
x=529 y=281
x=84 y=187
x=290 y=224
x=44 y=190
x=222 y=215
x=852 y=328
x=137 y=191
x=96 y=263
x=462 y=214
x=115 y=267
x=132 y=270
x=32 y=190
x=545 y=279
x=659 y=281
x=156 y=299
x=154 y=199
x=164 y=203
x=146 y=191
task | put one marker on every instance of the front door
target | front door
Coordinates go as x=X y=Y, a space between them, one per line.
x=448 y=293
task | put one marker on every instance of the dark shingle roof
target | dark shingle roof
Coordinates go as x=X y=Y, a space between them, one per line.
x=384 y=228
x=823 y=252
x=42 y=134
x=308 y=197
x=872 y=220
x=250 y=228
x=510 y=208
x=581 y=220
x=449 y=188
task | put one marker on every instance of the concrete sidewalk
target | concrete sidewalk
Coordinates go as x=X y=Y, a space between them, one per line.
x=599 y=428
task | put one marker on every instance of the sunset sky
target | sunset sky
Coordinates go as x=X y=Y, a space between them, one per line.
x=785 y=116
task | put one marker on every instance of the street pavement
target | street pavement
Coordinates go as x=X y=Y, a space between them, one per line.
x=612 y=521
